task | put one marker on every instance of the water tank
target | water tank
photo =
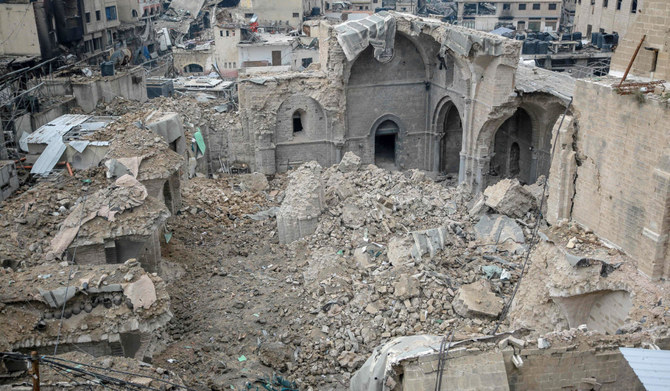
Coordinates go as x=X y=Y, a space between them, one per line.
x=529 y=46
x=542 y=47
x=107 y=68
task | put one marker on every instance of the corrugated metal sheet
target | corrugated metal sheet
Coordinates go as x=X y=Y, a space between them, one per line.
x=56 y=128
x=48 y=159
x=652 y=367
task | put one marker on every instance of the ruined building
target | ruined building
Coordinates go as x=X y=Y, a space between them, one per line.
x=424 y=95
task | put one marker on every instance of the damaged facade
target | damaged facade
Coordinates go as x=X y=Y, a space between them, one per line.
x=390 y=203
x=470 y=113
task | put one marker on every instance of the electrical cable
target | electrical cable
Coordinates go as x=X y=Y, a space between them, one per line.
x=117 y=371
x=119 y=382
x=533 y=240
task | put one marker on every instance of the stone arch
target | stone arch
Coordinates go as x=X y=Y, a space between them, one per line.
x=403 y=39
x=194 y=68
x=448 y=127
x=313 y=120
x=290 y=140
x=381 y=133
x=399 y=88
x=543 y=110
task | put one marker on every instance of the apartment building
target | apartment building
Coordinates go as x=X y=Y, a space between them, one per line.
x=278 y=13
x=533 y=15
x=606 y=16
x=101 y=18
x=131 y=11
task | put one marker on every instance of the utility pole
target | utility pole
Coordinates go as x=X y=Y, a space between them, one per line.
x=35 y=370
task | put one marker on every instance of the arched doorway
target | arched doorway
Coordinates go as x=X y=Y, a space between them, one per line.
x=513 y=147
x=385 y=144
x=451 y=141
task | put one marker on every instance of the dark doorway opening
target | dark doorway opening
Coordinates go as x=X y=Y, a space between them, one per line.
x=385 y=145
x=167 y=195
x=451 y=141
x=297 y=122
x=276 y=58
x=193 y=68
x=513 y=146
x=514 y=156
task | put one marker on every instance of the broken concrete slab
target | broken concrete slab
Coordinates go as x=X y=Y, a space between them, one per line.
x=429 y=241
x=253 y=182
x=502 y=231
x=142 y=293
x=510 y=198
x=477 y=300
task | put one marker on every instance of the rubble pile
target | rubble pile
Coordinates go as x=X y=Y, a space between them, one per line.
x=196 y=115
x=100 y=302
x=395 y=254
x=29 y=220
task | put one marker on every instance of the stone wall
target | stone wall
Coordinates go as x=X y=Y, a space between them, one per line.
x=654 y=21
x=543 y=369
x=558 y=369
x=130 y=84
x=618 y=162
x=9 y=181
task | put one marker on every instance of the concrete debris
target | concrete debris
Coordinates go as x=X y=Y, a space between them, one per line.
x=126 y=193
x=253 y=182
x=304 y=201
x=500 y=231
x=510 y=198
x=94 y=315
x=141 y=293
x=476 y=299
x=406 y=287
x=349 y=163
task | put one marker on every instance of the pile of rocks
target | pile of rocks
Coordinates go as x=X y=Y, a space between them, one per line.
x=395 y=254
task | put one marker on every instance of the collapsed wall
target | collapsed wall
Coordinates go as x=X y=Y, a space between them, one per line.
x=299 y=213
x=104 y=309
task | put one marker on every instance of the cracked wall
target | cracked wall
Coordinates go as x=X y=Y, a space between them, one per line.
x=619 y=164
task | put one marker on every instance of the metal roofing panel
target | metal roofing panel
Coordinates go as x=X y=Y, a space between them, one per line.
x=652 y=367
x=56 y=128
x=48 y=159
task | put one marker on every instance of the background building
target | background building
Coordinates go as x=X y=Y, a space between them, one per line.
x=606 y=16
x=534 y=15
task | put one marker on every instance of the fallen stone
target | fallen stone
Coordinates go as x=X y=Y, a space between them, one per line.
x=399 y=250
x=142 y=293
x=253 y=182
x=406 y=287
x=477 y=300
x=429 y=241
x=509 y=198
x=276 y=355
x=543 y=343
x=352 y=216
x=362 y=258
x=477 y=206
x=349 y=163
